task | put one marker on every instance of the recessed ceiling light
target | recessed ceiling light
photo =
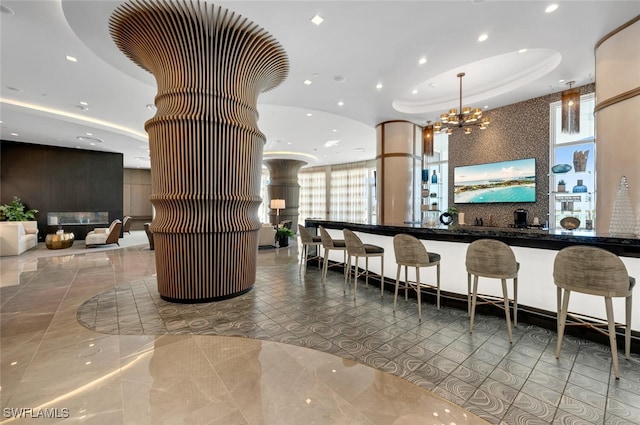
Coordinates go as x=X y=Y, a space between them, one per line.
x=309 y=114
x=562 y=80
x=151 y=106
x=414 y=91
x=84 y=103
x=335 y=130
x=551 y=8
x=422 y=60
x=317 y=19
x=308 y=82
x=14 y=134
x=359 y=149
x=486 y=106
x=341 y=103
x=71 y=59
x=522 y=50
x=288 y=143
x=331 y=143
x=379 y=86
x=91 y=140
x=142 y=158
x=483 y=37
x=89 y=134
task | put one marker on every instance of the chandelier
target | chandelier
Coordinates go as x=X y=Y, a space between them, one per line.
x=463 y=118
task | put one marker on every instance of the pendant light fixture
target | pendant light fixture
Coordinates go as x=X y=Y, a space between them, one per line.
x=463 y=118
x=427 y=139
x=571 y=110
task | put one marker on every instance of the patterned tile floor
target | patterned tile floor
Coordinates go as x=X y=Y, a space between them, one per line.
x=521 y=383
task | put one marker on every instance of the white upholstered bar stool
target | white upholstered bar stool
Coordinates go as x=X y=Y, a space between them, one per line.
x=357 y=249
x=308 y=240
x=493 y=259
x=329 y=244
x=410 y=252
x=594 y=271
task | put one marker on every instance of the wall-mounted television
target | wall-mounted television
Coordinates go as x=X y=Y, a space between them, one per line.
x=497 y=182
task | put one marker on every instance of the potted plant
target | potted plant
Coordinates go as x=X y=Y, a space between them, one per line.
x=15 y=211
x=282 y=236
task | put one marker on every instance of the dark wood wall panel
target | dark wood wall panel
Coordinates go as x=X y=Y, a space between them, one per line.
x=58 y=179
x=206 y=150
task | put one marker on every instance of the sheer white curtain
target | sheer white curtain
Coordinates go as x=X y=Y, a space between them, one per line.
x=348 y=199
x=313 y=194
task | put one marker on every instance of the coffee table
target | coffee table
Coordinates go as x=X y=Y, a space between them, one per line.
x=59 y=241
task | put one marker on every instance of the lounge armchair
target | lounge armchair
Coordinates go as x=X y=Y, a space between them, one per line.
x=104 y=236
x=126 y=225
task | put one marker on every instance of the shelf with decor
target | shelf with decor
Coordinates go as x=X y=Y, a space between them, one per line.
x=572 y=177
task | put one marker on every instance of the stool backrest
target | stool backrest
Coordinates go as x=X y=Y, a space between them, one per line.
x=304 y=234
x=409 y=250
x=591 y=270
x=491 y=258
x=353 y=242
x=327 y=241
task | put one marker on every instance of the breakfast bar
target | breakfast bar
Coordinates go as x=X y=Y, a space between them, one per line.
x=535 y=250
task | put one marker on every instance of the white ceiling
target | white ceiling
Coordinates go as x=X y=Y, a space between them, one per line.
x=359 y=44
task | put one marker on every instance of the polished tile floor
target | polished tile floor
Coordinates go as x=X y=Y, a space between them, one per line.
x=139 y=359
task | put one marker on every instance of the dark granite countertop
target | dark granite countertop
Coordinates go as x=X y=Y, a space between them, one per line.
x=532 y=238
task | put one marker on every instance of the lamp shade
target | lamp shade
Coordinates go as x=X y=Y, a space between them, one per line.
x=277 y=204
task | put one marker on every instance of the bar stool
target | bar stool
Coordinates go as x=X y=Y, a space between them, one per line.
x=594 y=271
x=329 y=244
x=308 y=240
x=357 y=249
x=410 y=252
x=492 y=259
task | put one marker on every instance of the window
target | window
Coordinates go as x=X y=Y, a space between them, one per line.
x=349 y=193
x=312 y=194
x=572 y=175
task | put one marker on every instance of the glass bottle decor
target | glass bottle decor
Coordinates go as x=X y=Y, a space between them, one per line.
x=434 y=177
x=623 y=221
x=580 y=187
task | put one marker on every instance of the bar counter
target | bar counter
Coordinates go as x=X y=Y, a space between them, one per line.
x=535 y=250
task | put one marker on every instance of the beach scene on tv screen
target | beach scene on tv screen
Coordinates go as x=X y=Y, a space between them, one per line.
x=508 y=181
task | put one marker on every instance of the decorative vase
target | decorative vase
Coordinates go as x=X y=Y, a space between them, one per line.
x=623 y=221
x=425 y=175
x=580 y=160
x=562 y=187
x=434 y=177
x=580 y=188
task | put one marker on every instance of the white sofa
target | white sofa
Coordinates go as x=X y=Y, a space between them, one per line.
x=17 y=236
x=266 y=235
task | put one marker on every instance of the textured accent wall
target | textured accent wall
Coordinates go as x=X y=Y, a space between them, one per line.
x=283 y=177
x=53 y=179
x=210 y=65
x=517 y=131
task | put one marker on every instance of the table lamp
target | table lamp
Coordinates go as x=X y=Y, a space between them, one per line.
x=277 y=204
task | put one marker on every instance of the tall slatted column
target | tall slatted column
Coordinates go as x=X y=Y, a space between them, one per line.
x=283 y=176
x=210 y=66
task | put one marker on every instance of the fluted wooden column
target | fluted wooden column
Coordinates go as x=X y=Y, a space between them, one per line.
x=283 y=177
x=210 y=65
